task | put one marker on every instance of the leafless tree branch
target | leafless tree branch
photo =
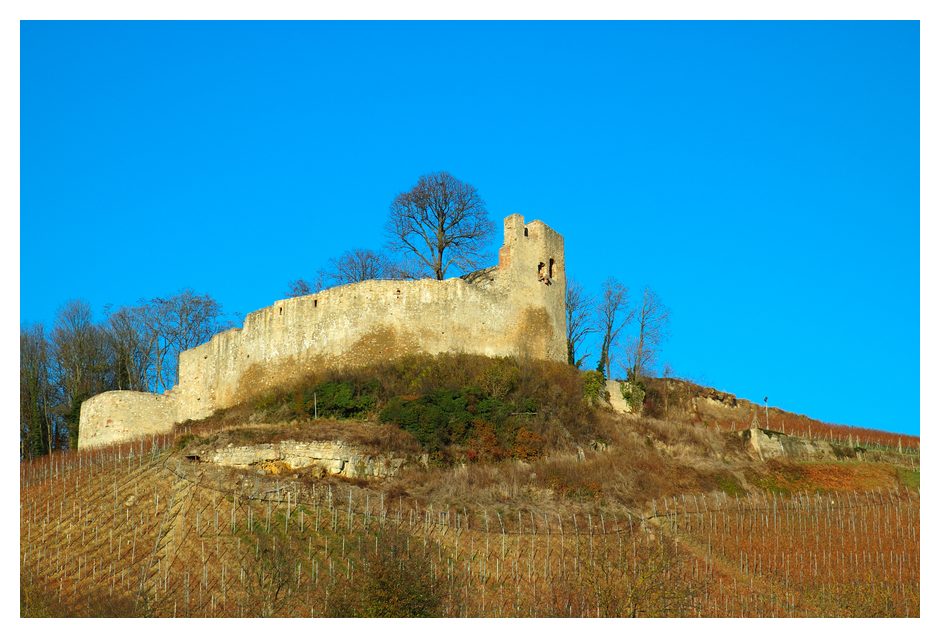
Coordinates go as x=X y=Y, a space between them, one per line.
x=441 y=221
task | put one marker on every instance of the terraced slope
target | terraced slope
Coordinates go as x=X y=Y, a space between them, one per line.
x=139 y=530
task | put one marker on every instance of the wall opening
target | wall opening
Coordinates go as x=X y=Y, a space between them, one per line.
x=280 y=310
x=542 y=275
x=525 y=231
x=314 y=303
x=551 y=268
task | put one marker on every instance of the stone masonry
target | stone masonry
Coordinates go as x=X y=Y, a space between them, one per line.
x=516 y=308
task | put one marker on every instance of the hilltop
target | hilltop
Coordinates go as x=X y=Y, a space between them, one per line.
x=499 y=486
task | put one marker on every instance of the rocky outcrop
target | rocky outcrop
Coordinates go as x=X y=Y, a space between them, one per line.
x=774 y=445
x=617 y=402
x=327 y=457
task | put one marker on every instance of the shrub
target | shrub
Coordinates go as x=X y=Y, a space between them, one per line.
x=444 y=417
x=633 y=393
x=485 y=444
x=499 y=378
x=529 y=445
x=341 y=399
x=436 y=420
x=394 y=581
x=594 y=390
x=336 y=398
x=728 y=484
x=439 y=398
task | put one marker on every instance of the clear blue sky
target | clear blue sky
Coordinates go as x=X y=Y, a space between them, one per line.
x=763 y=178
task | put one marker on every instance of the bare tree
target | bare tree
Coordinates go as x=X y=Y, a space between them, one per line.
x=443 y=222
x=37 y=425
x=180 y=322
x=80 y=362
x=613 y=314
x=131 y=343
x=652 y=319
x=299 y=288
x=579 y=310
x=360 y=264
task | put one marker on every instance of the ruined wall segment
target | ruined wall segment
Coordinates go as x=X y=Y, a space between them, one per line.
x=514 y=309
x=121 y=415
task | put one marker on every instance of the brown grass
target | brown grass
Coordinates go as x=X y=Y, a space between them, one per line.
x=677 y=395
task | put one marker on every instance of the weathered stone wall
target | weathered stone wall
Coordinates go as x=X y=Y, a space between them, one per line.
x=112 y=417
x=516 y=308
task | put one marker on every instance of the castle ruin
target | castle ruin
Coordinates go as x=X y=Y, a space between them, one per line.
x=516 y=308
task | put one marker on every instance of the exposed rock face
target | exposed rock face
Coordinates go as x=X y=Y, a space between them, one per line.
x=617 y=402
x=331 y=457
x=773 y=445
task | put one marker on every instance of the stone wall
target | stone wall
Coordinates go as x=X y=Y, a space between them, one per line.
x=112 y=417
x=516 y=308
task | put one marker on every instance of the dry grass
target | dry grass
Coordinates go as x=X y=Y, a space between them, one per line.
x=787 y=478
x=676 y=396
x=631 y=462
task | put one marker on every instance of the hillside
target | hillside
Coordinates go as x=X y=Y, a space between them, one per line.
x=687 y=402
x=463 y=486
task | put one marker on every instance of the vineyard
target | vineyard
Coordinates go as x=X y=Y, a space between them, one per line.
x=138 y=530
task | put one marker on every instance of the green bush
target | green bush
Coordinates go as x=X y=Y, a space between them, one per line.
x=730 y=485
x=335 y=399
x=593 y=387
x=444 y=417
x=341 y=399
x=435 y=420
x=633 y=394
x=438 y=398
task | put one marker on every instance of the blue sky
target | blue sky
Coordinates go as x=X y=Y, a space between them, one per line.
x=763 y=178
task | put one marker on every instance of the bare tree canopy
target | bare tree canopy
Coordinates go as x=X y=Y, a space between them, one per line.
x=443 y=222
x=135 y=348
x=652 y=319
x=80 y=361
x=613 y=314
x=579 y=311
x=132 y=345
x=179 y=323
x=360 y=264
x=37 y=425
x=299 y=288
